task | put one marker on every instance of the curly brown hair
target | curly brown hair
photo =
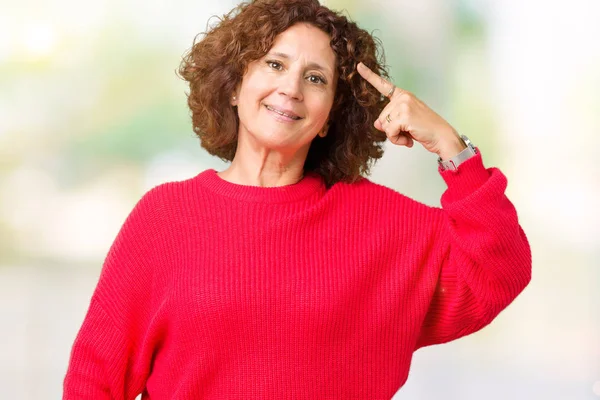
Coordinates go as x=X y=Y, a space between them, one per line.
x=215 y=65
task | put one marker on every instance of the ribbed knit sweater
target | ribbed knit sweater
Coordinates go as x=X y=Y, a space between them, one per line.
x=215 y=290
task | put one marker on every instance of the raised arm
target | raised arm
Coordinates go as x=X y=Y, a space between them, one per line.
x=483 y=254
x=481 y=258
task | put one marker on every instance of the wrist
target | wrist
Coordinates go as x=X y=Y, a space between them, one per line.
x=450 y=146
x=453 y=162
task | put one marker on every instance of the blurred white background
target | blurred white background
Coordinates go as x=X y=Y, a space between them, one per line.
x=92 y=115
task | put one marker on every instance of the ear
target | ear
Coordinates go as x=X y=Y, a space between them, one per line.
x=235 y=98
x=323 y=132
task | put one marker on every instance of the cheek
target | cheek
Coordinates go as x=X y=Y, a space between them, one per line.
x=250 y=102
x=255 y=87
x=321 y=110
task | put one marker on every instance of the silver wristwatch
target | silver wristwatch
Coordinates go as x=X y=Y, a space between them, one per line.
x=454 y=162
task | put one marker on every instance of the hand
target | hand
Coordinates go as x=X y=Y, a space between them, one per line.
x=406 y=119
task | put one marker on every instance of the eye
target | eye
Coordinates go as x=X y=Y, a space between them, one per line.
x=316 y=79
x=275 y=65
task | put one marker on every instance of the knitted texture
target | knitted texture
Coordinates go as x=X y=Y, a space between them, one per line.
x=214 y=290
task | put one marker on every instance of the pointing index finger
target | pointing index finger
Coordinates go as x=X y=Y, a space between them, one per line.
x=382 y=85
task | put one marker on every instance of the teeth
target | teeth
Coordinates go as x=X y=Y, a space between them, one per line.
x=282 y=113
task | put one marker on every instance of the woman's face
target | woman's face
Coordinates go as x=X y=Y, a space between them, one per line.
x=285 y=97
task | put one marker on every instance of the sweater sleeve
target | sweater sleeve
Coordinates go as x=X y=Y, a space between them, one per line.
x=109 y=359
x=483 y=254
x=101 y=360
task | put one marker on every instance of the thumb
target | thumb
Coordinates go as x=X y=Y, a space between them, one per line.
x=377 y=125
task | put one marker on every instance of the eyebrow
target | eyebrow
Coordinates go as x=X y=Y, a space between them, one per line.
x=310 y=65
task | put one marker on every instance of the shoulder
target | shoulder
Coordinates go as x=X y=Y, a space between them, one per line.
x=164 y=199
x=366 y=190
x=381 y=210
x=172 y=191
x=387 y=207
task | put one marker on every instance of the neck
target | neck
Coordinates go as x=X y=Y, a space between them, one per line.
x=254 y=171
x=255 y=165
x=242 y=176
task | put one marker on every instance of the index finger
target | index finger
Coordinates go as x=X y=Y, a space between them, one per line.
x=382 y=85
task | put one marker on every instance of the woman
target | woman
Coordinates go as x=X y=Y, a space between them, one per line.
x=288 y=275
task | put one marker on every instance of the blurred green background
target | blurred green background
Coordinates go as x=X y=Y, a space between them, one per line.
x=92 y=115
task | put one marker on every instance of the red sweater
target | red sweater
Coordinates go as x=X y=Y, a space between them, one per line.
x=214 y=290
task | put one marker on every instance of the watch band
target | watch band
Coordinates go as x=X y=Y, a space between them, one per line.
x=454 y=162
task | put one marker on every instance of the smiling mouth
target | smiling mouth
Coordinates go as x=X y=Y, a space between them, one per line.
x=294 y=117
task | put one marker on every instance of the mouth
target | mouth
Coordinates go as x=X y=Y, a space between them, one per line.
x=285 y=113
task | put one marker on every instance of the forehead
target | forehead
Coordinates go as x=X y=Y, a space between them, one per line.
x=305 y=41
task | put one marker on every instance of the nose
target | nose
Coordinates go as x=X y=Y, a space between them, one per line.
x=291 y=86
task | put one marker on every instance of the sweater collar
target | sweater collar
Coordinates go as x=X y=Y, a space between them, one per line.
x=310 y=184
